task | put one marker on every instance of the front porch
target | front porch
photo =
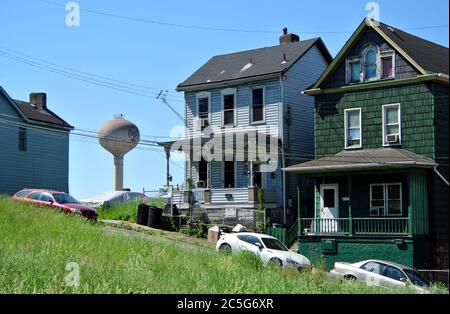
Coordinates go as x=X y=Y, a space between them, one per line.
x=225 y=197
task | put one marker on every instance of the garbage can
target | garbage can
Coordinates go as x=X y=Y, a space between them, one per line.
x=142 y=214
x=154 y=217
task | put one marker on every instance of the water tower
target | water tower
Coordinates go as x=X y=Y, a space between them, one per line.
x=118 y=136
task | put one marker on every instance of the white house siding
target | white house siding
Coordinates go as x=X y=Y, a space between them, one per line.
x=44 y=164
x=298 y=136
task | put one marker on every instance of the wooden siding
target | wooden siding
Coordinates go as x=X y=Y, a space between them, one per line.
x=43 y=165
x=418 y=201
x=402 y=68
x=417 y=119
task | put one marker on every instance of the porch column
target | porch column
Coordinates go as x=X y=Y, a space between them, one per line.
x=251 y=174
x=299 y=222
x=350 y=218
x=167 y=151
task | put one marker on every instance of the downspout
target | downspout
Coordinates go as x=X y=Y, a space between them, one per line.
x=283 y=174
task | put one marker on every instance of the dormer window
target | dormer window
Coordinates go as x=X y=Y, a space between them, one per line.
x=371 y=64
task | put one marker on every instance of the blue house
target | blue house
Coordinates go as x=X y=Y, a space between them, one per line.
x=34 y=145
x=237 y=97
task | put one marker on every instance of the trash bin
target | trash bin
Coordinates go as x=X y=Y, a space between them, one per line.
x=213 y=234
x=154 y=217
x=142 y=214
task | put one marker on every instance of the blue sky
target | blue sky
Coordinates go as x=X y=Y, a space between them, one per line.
x=160 y=57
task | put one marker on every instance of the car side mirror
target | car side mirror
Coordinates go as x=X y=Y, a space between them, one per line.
x=404 y=280
x=50 y=203
x=259 y=245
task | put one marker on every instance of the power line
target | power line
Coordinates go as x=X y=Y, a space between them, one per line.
x=210 y=28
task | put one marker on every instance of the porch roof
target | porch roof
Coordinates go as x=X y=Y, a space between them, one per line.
x=359 y=160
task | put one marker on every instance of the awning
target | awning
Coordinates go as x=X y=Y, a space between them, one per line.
x=360 y=160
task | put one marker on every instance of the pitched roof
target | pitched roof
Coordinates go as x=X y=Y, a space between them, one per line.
x=252 y=63
x=427 y=57
x=42 y=115
x=368 y=159
x=430 y=56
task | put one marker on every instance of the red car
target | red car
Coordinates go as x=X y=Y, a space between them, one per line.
x=55 y=199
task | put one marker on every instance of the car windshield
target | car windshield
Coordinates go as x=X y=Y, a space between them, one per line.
x=416 y=278
x=62 y=198
x=274 y=244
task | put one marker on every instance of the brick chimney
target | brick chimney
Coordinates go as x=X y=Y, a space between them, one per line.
x=288 y=37
x=39 y=99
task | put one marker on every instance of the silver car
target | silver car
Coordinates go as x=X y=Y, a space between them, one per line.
x=381 y=273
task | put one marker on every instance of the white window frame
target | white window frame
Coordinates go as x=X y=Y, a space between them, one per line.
x=226 y=92
x=235 y=174
x=383 y=54
x=351 y=60
x=207 y=173
x=371 y=199
x=386 y=199
x=199 y=96
x=384 y=107
x=346 y=128
x=263 y=104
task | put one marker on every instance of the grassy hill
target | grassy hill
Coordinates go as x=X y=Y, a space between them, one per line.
x=36 y=244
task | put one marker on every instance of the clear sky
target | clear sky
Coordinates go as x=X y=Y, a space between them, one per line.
x=160 y=56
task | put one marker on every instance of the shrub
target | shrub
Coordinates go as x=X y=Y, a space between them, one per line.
x=195 y=229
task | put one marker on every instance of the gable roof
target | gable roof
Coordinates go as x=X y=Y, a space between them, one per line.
x=41 y=115
x=425 y=56
x=35 y=115
x=252 y=63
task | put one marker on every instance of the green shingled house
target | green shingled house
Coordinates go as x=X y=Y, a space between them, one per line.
x=381 y=145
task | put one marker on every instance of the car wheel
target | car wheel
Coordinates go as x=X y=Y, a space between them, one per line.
x=225 y=248
x=275 y=262
x=350 y=277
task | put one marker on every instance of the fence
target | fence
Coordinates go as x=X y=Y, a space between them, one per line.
x=251 y=219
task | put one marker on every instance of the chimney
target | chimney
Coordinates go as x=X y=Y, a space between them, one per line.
x=288 y=37
x=39 y=99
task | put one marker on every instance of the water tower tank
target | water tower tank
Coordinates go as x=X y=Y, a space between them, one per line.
x=119 y=136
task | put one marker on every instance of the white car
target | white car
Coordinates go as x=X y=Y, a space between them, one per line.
x=268 y=248
x=381 y=273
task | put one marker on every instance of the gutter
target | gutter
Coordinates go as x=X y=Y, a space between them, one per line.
x=440 y=77
x=440 y=175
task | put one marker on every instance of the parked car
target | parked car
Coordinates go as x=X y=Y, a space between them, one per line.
x=269 y=249
x=381 y=273
x=59 y=200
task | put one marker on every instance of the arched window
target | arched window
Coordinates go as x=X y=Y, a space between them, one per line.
x=370 y=63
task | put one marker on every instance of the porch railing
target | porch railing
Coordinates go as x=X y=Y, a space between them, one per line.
x=354 y=226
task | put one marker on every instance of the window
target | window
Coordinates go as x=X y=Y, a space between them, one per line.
x=370 y=64
x=391 y=125
x=394 y=273
x=387 y=66
x=353 y=136
x=23 y=139
x=329 y=198
x=228 y=171
x=23 y=193
x=386 y=199
x=229 y=104
x=202 y=173
x=35 y=196
x=203 y=99
x=354 y=72
x=374 y=267
x=45 y=197
x=257 y=109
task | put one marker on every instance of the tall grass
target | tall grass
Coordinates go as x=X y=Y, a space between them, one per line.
x=125 y=211
x=36 y=244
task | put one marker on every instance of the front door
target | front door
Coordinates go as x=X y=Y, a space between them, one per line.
x=329 y=208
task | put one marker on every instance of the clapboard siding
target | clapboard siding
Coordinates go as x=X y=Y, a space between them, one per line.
x=44 y=164
x=298 y=133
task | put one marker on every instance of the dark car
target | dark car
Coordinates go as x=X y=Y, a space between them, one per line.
x=59 y=200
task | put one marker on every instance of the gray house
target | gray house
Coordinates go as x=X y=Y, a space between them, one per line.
x=34 y=145
x=243 y=96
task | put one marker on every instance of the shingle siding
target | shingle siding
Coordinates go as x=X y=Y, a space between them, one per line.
x=402 y=68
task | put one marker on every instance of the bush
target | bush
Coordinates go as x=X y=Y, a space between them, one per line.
x=195 y=229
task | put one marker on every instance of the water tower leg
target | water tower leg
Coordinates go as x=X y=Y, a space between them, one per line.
x=118 y=174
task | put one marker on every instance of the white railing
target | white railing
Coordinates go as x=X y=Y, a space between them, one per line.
x=227 y=196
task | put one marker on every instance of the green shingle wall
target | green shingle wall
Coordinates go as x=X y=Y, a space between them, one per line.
x=356 y=249
x=417 y=118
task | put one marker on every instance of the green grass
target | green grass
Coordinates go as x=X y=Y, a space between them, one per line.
x=36 y=244
x=126 y=211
